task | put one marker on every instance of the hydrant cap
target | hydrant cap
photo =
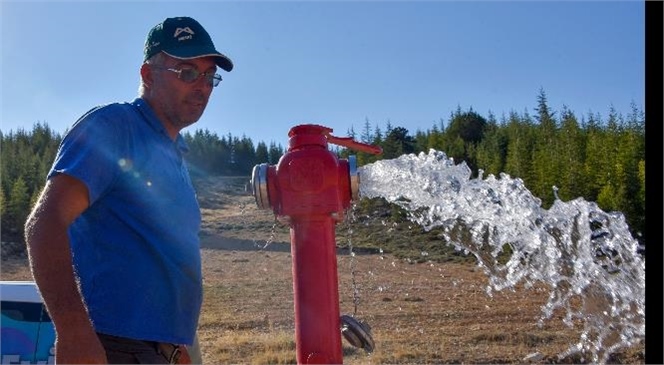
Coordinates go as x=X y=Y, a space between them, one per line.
x=309 y=129
x=308 y=135
x=259 y=185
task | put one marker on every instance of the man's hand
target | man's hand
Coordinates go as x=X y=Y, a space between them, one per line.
x=184 y=357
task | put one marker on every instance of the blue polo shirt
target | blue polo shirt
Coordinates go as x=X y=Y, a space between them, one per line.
x=136 y=248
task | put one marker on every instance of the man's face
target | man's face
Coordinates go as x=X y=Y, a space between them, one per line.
x=176 y=102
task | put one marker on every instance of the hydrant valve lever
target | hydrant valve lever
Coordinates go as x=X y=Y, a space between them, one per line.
x=310 y=188
x=349 y=143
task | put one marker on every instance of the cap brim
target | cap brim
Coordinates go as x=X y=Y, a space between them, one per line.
x=187 y=53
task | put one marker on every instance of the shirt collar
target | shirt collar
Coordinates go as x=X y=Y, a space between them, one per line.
x=154 y=122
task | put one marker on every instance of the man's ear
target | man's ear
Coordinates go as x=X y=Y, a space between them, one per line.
x=146 y=75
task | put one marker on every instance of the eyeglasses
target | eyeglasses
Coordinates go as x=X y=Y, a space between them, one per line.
x=191 y=75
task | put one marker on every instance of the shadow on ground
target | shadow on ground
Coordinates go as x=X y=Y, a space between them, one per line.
x=218 y=242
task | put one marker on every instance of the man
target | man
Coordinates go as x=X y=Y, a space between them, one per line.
x=113 y=239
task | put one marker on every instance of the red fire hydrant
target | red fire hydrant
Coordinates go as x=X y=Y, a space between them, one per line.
x=310 y=188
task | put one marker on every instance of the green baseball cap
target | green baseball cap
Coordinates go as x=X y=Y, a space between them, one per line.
x=183 y=38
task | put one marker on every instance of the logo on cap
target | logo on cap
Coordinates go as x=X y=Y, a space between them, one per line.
x=179 y=31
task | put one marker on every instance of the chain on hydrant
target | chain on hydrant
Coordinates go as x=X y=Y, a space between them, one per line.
x=310 y=189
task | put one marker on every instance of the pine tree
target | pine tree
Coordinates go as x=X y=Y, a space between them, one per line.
x=464 y=132
x=435 y=139
x=18 y=208
x=469 y=126
x=377 y=139
x=492 y=151
x=520 y=140
x=421 y=141
x=572 y=156
x=595 y=166
x=610 y=172
x=630 y=153
x=351 y=132
x=262 y=153
x=546 y=164
x=366 y=136
x=244 y=156
x=398 y=142
x=274 y=153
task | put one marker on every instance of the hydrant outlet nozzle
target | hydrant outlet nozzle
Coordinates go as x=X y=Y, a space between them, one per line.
x=259 y=186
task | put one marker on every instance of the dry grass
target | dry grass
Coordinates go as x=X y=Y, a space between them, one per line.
x=419 y=312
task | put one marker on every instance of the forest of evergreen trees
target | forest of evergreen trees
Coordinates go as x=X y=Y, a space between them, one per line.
x=601 y=160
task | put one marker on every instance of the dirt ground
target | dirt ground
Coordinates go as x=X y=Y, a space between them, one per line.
x=418 y=312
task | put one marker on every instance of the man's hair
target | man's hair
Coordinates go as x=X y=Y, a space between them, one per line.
x=157 y=60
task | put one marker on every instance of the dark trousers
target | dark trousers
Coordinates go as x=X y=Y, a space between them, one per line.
x=121 y=350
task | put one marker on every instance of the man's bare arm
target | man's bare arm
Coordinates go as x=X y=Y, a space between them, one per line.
x=63 y=199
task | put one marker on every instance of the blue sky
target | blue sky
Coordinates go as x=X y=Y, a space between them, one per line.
x=333 y=63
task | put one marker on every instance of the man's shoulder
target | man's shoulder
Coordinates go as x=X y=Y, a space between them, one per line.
x=112 y=109
x=115 y=116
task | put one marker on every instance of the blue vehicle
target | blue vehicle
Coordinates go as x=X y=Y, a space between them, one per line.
x=27 y=335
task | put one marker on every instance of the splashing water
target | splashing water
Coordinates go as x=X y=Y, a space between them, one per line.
x=586 y=256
